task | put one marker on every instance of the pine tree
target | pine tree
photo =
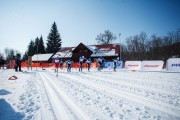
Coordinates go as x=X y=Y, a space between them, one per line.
x=36 y=46
x=2 y=59
x=25 y=56
x=41 y=47
x=31 y=50
x=54 y=40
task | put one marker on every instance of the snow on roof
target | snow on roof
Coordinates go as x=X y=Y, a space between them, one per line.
x=64 y=54
x=106 y=53
x=98 y=50
x=102 y=51
x=41 y=57
x=92 y=48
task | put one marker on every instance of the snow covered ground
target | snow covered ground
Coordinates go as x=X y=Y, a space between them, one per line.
x=105 y=95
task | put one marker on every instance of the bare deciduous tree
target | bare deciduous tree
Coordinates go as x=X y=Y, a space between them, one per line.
x=136 y=45
x=106 y=38
x=10 y=53
x=139 y=47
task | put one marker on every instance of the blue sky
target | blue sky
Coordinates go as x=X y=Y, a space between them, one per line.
x=82 y=20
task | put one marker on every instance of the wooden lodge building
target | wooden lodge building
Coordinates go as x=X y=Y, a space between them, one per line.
x=108 y=52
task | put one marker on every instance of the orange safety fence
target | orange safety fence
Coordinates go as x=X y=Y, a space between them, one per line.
x=11 y=64
x=24 y=64
x=46 y=65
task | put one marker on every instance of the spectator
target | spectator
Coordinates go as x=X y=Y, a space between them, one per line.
x=18 y=62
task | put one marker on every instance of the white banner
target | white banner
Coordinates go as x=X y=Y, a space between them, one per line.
x=133 y=65
x=152 y=65
x=173 y=64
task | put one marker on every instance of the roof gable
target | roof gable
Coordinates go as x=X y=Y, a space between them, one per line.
x=81 y=47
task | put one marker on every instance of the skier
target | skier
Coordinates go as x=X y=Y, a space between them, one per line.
x=69 y=62
x=88 y=62
x=61 y=64
x=56 y=61
x=81 y=59
x=115 y=62
x=100 y=63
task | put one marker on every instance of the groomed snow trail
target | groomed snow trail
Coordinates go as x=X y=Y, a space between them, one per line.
x=64 y=108
x=166 y=108
x=101 y=83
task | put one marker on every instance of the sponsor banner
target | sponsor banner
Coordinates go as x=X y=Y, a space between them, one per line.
x=133 y=65
x=173 y=64
x=119 y=65
x=111 y=65
x=152 y=65
x=108 y=65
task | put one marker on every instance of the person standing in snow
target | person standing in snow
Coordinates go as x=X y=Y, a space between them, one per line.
x=2 y=62
x=115 y=62
x=18 y=62
x=100 y=63
x=69 y=62
x=81 y=59
x=88 y=62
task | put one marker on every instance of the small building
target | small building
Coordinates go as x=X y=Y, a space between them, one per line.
x=44 y=58
x=108 y=51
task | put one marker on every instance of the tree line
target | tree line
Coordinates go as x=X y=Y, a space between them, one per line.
x=140 y=47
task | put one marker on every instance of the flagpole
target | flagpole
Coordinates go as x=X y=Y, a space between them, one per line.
x=120 y=44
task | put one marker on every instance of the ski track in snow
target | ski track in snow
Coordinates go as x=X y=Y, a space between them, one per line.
x=105 y=95
x=137 y=88
x=64 y=107
x=76 y=77
x=141 y=100
x=46 y=111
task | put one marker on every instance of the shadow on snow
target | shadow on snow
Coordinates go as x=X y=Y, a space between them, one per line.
x=7 y=112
